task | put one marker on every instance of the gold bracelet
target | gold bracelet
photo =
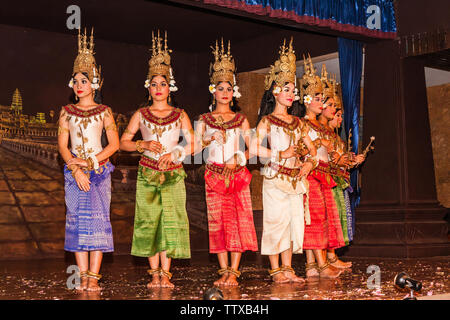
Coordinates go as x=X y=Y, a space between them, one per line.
x=313 y=162
x=71 y=167
x=90 y=164
x=138 y=146
x=74 y=171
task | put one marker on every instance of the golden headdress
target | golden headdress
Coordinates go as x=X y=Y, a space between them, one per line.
x=338 y=97
x=85 y=61
x=284 y=68
x=223 y=69
x=310 y=83
x=328 y=83
x=159 y=63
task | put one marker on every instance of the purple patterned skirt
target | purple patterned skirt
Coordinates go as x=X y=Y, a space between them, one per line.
x=88 y=225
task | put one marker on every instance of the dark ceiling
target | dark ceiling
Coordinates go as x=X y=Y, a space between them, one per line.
x=132 y=21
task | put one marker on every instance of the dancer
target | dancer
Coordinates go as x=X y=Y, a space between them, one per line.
x=328 y=114
x=325 y=231
x=284 y=184
x=161 y=226
x=87 y=172
x=339 y=156
x=227 y=180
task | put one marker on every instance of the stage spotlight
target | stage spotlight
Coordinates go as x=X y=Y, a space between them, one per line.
x=213 y=294
x=402 y=280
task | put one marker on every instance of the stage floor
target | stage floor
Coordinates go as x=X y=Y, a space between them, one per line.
x=125 y=277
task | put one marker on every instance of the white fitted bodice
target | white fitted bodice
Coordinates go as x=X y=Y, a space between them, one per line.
x=165 y=130
x=85 y=129
x=281 y=135
x=221 y=153
x=316 y=133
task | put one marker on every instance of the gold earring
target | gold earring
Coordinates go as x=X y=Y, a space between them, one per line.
x=231 y=103
x=169 y=99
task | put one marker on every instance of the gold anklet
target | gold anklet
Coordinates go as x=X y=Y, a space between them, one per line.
x=275 y=271
x=333 y=260
x=237 y=273
x=222 y=271
x=166 y=273
x=153 y=271
x=94 y=275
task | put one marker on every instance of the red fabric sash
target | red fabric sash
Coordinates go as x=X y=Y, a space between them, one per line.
x=215 y=179
x=322 y=173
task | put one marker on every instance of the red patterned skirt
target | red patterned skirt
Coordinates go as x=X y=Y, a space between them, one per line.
x=325 y=230
x=230 y=214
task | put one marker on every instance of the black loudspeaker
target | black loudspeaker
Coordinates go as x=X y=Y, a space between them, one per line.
x=213 y=294
x=402 y=280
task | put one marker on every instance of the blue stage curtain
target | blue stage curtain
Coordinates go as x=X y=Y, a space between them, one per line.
x=350 y=65
x=342 y=15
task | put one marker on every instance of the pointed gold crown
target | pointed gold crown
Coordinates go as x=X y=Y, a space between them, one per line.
x=328 y=83
x=223 y=67
x=159 y=63
x=85 y=61
x=284 y=68
x=310 y=83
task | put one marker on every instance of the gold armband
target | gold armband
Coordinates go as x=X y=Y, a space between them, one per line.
x=61 y=130
x=138 y=146
x=112 y=126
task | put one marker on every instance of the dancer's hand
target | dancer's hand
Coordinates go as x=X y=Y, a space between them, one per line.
x=77 y=161
x=360 y=158
x=219 y=137
x=82 y=180
x=334 y=156
x=344 y=160
x=165 y=160
x=152 y=145
x=228 y=170
x=305 y=170
x=290 y=152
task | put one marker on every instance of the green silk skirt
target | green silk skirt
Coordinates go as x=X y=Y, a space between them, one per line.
x=161 y=222
x=338 y=195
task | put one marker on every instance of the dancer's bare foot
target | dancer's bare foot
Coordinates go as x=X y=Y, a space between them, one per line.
x=83 y=283
x=231 y=280
x=328 y=271
x=290 y=274
x=312 y=271
x=335 y=262
x=165 y=279
x=222 y=280
x=93 y=285
x=165 y=282
x=293 y=277
x=280 y=278
x=155 y=283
